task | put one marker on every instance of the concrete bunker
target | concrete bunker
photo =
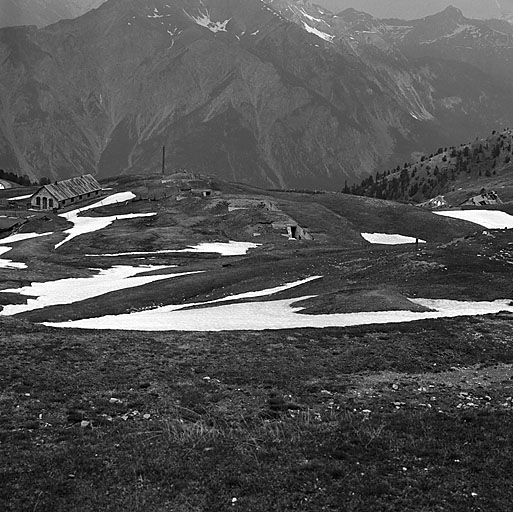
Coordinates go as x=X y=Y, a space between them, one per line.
x=296 y=232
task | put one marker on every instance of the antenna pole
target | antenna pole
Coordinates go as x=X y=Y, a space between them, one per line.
x=163 y=159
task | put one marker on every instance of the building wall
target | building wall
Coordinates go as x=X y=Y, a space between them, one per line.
x=483 y=199
x=42 y=198
x=42 y=194
x=298 y=233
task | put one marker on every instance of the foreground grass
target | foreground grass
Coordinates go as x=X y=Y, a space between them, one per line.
x=412 y=417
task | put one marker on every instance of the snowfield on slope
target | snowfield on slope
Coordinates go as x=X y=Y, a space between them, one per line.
x=386 y=239
x=22 y=236
x=490 y=219
x=273 y=315
x=68 y=291
x=19 y=198
x=230 y=248
x=5 y=263
x=318 y=33
x=83 y=225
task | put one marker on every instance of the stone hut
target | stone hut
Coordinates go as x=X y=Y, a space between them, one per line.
x=435 y=203
x=201 y=192
x=483 y=199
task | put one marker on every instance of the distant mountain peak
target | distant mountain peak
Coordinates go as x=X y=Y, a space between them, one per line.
x=355 y=13
x=42 y=12
x=453 y=12
x=417 y=9
x=450 y=14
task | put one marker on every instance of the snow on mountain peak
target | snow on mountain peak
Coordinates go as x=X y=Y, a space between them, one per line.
x=203 y=19
x=318 y=33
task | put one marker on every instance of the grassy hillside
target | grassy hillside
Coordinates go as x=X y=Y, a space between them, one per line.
x=352 y=269
x=412 y=416
x=337 y=251
x=457 y=172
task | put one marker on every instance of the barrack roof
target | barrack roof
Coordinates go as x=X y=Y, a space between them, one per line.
x=73 y=187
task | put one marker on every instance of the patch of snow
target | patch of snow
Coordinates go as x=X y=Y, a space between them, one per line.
x=68 y=291
x=83 y=225
x=165 y=310
x=490 y=219
x=120 y=197
x=262 y=293
x=318 y=33
x=19 y=198
x=311 y=18
x=22 y=236
x=155 y=14
x=230 y=248
x=225 y=248
x=204 y=20
x=278 y=314
x=384 y=238
x=13 y=239
x=9 y=263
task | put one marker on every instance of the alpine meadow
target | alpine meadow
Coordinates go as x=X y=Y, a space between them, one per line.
x=256 y=255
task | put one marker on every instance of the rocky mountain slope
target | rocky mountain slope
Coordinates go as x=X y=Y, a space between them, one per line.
x=42 y=12
x=486 y=45
x=281 y=94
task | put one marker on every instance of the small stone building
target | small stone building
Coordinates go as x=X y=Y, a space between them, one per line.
x=435 y=203
x=201 y=192
x=282 y=221
x=296 y=232
x=65 y=193
x=483 y=199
